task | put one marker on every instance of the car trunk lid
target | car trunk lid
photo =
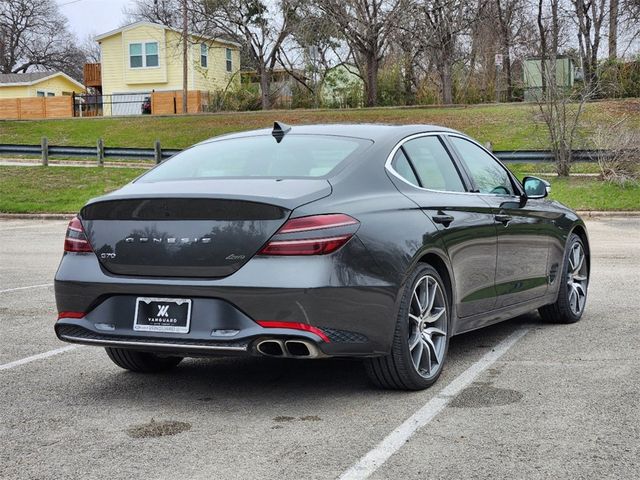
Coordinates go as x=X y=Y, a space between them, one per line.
x=197 y=228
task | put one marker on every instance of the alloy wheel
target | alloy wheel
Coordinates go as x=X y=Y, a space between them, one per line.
x=427 y=326
x=577 y=278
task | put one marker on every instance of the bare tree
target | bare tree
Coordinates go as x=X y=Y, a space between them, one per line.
x=34 y=35
x=590 y=16
x=366 y=26
x=261 y=26
x=444 y=21
x=512 y=22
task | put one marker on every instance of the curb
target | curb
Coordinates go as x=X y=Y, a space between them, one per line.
x=36 y=216
x=604 y=214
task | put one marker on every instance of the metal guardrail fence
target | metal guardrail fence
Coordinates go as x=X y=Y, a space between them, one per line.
x=100 y=152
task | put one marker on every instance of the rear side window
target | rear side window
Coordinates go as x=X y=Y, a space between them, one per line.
x=433 y=164
x=403 y=168
x=488 y=175
x=260 y=156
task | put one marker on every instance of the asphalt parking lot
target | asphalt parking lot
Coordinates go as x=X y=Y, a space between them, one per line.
x=517 y=400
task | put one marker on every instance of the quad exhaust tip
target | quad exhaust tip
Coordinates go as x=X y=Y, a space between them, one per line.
x=287 y=348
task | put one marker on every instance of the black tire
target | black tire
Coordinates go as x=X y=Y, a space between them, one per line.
x=560 y=311
x=396 y=370
x=141 y=362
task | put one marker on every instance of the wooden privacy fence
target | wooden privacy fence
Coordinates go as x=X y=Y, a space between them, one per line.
x=169 y=103
x=36 y=107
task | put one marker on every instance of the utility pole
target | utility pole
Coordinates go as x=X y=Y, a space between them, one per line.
x=185 y=55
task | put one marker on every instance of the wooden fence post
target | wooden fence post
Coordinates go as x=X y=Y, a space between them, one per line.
x=157 y=151
x=100 y=152
x=45 y=151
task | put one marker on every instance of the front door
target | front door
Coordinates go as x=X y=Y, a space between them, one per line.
x=523 y=241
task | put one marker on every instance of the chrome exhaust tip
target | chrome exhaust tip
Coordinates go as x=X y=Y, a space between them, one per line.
x=301 y=349
x=271 y=348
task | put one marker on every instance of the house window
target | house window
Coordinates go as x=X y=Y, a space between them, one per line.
x=135 y=55
x=51 y=94
x=151 y=54
x=143 y=55
x=204 y=50
x=40 y=93
x=229 y=60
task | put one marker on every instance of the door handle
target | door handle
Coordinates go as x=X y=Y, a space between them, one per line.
x=442 y=219
x=503 y=218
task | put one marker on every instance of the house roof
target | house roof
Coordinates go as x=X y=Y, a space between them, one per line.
x=31 y=78
x=110 y=33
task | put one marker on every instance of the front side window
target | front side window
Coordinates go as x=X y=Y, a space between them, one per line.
x=433 y=165
x=143 y=55
x=260 y=156
x=487 y=174
x=229 y=56
x=203 y=55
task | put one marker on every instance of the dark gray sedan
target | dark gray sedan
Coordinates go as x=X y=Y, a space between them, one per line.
x=371 y=241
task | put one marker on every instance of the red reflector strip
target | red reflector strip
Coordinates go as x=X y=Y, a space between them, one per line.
x=294 y=326
x=70 y=315
x=311 y=246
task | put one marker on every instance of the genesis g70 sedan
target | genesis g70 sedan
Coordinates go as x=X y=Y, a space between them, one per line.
x=372 y=241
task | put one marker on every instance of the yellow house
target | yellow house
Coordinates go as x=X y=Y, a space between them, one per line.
x=38 y=84
x=143 y=57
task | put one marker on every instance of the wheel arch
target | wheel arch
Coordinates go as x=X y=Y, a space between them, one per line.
x=443 y=268
x=580 y=230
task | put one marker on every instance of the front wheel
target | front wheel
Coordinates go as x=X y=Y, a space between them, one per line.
x=572 y=296
x=141 y=362
x=420 y=340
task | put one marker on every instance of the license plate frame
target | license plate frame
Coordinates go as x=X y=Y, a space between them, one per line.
x=163 y=322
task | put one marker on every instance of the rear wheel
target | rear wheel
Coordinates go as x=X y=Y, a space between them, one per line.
x=421 y=337
x=141 y=362
x=572 y=296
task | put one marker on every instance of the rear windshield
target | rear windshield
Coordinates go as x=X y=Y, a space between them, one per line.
x=259 y=156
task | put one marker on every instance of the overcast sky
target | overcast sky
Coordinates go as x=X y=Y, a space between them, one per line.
x=92 y=17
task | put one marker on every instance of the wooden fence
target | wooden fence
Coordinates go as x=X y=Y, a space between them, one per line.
x=169 y=103
x=36 y=107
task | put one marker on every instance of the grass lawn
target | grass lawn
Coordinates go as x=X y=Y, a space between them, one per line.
x=57 y=189
x=66 y=189
x=506 y=126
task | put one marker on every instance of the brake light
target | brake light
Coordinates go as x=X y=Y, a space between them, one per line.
x=313 y=235
x=75 y=239
x=317 y=222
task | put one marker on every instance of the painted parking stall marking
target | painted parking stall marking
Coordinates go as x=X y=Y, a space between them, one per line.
x=376 y=457
x=39 y=356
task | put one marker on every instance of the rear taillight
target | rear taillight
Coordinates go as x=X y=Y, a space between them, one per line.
x=75 y=239
x=314 y=235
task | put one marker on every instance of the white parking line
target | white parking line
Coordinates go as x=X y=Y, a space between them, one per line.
x=39 y=356
x=42 y=285
x=376 y=457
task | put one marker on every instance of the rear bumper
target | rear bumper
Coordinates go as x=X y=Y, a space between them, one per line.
x=357 y=318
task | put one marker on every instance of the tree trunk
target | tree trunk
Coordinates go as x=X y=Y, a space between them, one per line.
x=265 y=85
x=371 y=81
x=613 y=29
x=447 y=82
x=409 y=80
x=543 y=49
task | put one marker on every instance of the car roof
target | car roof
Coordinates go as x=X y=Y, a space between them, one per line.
x=371 y=131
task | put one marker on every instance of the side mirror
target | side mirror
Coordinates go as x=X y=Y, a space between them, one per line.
x=535 y=187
